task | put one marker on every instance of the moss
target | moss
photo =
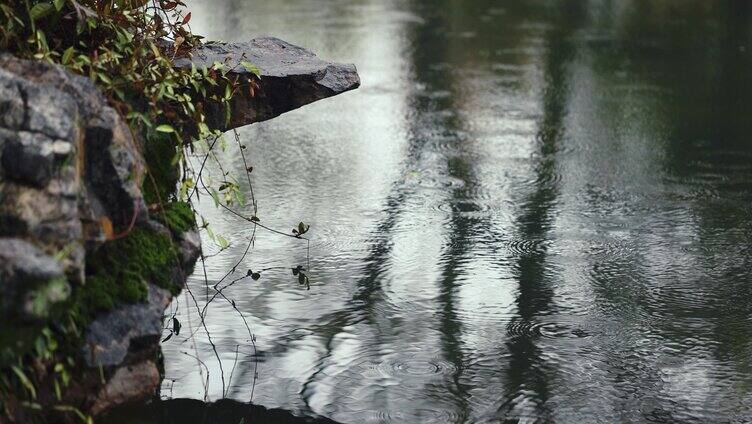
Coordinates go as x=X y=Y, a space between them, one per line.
x=118 y=272
x=177 y=216
x=163 y=173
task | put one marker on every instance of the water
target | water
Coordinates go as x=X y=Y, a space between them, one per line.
x=530 y=211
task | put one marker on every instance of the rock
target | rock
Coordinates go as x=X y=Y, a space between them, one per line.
x=11 y=103
x=84 y=93
x=114 y=171
x=291 y=77
x=50 y=112
x=132 y=383
x=70 y=170
x=32 y=282
x=27 y=157
x=69 y=108
x=190 y=249
x=111 y=336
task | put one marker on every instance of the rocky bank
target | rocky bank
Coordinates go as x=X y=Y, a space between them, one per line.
x=77 y=235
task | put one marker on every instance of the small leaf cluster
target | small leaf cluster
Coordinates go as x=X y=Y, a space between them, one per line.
x=302 y=229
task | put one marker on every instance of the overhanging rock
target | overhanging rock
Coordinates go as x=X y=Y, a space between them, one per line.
x=291 y=77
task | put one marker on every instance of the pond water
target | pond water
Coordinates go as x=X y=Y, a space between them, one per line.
x=531 y=211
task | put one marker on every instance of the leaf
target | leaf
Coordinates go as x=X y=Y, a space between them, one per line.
x=223 y=243
x=176 y=326
x=165 y=128
x=255 y=276
x=178 y=41
x=102 y=76
x=25 y=381
x=141 y=117
x=301 y=278
x=248 y=274
x=250 y=67
x=169 y=336
x=40 y=10
x=154 y=49
x=187 y=18
x=215 y=197
x=59 y=4
x=67 y=55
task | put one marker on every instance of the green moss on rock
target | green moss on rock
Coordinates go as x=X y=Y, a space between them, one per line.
x=119 y=271
x=163 y=173
x=177 y=216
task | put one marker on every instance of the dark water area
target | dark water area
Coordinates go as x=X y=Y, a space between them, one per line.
x=531 y=211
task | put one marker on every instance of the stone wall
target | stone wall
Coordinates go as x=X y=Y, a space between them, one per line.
x=70 y=178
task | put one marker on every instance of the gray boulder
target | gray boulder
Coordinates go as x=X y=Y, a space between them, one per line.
x=113 y=335
x=291 y=77
x=28 y=157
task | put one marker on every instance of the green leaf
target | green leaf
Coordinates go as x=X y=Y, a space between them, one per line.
x=59 y=4
x=25 y=381
x=102 y=76
x=250 y=67
x=215 y=197
x=165 y=128
x=40 y=10
x=67 y=55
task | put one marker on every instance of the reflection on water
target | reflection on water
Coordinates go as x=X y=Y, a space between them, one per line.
x=530 y=211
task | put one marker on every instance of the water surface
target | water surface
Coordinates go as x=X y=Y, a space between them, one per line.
x=534 y=211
